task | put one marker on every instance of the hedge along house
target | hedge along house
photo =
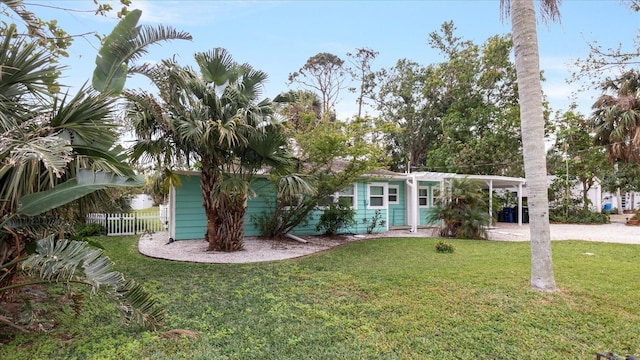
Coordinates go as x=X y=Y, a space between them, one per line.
x=394 y=200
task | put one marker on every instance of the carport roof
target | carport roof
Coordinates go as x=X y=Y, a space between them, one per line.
x=496 y=180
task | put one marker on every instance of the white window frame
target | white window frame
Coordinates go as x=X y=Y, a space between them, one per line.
x=397 y=194
x=434 y=195
x=428 y=189
x=338 y=195
x=385 y=196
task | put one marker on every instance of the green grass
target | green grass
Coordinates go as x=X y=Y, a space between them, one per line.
x=377 y=299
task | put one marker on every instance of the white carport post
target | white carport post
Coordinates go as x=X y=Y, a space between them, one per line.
x=490 y=202
x=520 y=204
x=412 y=202
x=416 y=204
x=442 y=194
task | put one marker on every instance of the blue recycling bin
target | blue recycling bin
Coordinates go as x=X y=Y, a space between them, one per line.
x=508 y=214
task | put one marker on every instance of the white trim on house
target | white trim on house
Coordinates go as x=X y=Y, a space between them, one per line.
x=172 y=212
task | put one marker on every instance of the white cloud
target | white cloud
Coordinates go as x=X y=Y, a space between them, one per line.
x=556 y=63
x=557 y=90
x=191 y=13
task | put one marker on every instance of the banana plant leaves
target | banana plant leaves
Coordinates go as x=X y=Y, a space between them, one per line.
x=86 y=182
x=111 y=69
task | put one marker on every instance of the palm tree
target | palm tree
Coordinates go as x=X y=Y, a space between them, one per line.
x=463 y=211
x=213 y=118
x=616 y=118
x=525 y=40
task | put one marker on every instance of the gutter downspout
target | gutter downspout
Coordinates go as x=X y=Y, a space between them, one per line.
x=298 y=239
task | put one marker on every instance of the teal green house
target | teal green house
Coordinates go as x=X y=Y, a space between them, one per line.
x=397 y=200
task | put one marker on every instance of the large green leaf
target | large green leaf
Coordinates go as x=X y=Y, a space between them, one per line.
x=111 y=68
x=86 y=182
x=127 y=43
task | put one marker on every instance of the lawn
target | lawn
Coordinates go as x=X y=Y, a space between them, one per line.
x=376 y=299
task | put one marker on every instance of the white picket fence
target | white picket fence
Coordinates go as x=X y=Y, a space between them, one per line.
x=132 y=223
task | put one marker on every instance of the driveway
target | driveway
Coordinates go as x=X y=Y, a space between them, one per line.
x=615 y=232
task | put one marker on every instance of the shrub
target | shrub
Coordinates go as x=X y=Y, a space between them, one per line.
x=277 y=221
x=444 y=247
x=82 y=231
x=338 y=215
x=376 y=221
x=577 y=216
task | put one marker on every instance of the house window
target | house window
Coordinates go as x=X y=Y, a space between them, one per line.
x=394 y=194
x=423 y=197
x=325 y=202
x=348 y=196
x=377 y=196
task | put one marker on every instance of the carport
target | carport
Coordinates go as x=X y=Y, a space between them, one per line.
x=487 y=182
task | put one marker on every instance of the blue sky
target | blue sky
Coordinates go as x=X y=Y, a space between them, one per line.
x=279 y=36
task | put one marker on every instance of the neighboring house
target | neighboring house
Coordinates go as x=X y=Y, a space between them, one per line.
x=628 y=201
x=141 y=201
x=601 y=200
x=402 y=200
x=597 y=199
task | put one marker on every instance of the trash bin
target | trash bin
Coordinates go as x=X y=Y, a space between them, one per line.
x=525 y=214
x=508 y=214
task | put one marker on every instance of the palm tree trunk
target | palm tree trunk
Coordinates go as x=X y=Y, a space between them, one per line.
x=525 y=40
x=208 y=182
x=230 y=225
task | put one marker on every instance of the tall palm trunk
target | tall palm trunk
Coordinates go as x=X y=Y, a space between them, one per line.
x=523 y=21
x=230 y=226
x=209 y=182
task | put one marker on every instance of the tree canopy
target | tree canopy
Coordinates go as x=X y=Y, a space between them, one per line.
x=460 y=115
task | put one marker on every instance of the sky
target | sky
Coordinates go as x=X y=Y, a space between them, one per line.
x=278 y=37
